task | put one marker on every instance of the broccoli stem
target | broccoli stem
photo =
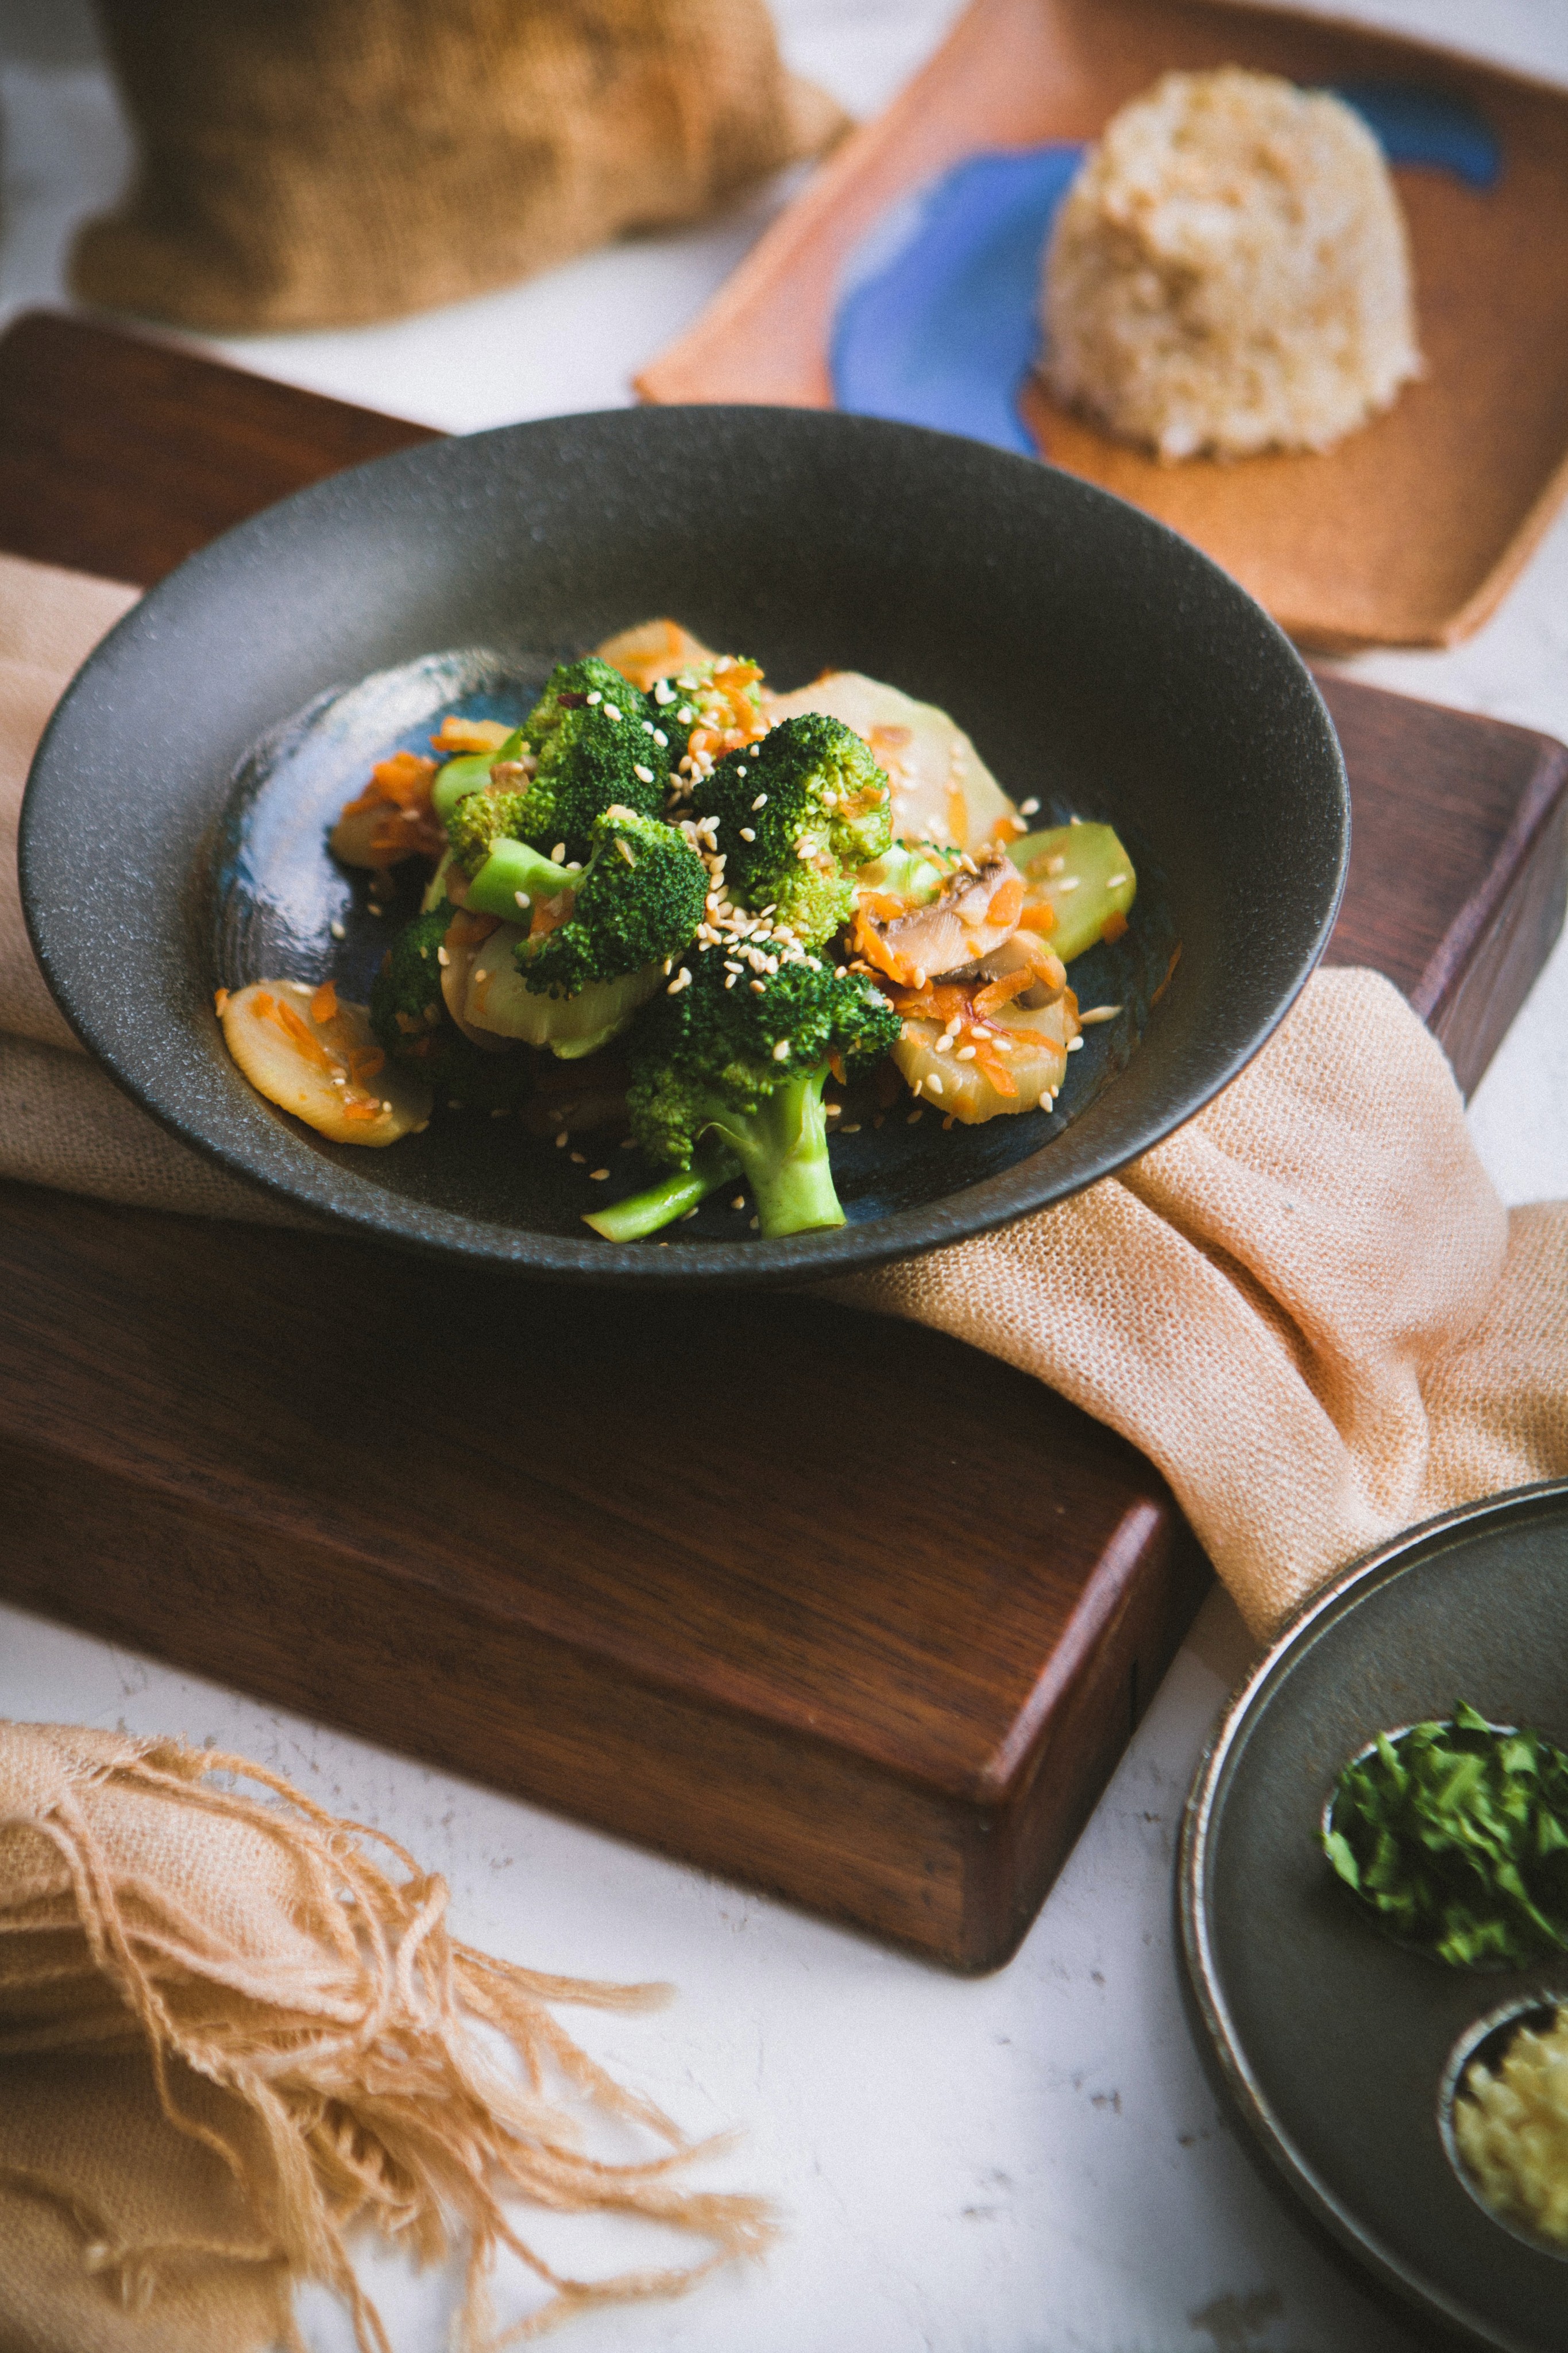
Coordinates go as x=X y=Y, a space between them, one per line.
x=781 y=1147
x=669 y=1197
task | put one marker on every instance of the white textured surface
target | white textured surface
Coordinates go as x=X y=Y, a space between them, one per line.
x=1029 y=2164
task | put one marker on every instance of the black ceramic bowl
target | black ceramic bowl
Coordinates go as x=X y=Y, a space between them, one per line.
x=1098 y=661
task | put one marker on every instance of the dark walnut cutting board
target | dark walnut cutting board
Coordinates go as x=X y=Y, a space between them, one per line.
x=612 y=1553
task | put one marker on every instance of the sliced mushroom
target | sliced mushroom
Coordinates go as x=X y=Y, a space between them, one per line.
x=970 y=917
x=311 y=1054
x=942 y=789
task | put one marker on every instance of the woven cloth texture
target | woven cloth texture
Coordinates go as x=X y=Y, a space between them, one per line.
x=233 y=2028
x=316 y=161
x=1309 y=1307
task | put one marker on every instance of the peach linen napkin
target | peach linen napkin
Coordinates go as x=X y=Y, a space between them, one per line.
x=1309 y=1307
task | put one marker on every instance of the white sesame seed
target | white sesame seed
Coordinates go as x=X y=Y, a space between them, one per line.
x=442 y=956
x=1031 y=808
x=371 y=909
x=781 y=1051
x=1114 y=881
x=1070 y=883
x=660 y=738
x=481 y=976
x=759 y=987
x=561 y=1138
x=761 y=801
x=738 y=1202
x=597 y=1176
x=954 y=1025
x=914 y=1116
x=965 y=1054
x=686 y=714
x=682 y=980
x=1098 y=1013
x=1075 y=1045
x=648 y=727
x=944 y=1045
x=624 y=846
x=748 y=833
x=1074 y=820
x=919 y=976
x=840 y=972
x=756 y=1222
x=833 y=1110
x=580 y=1159
x=522 y=898
x=558 y=854
x=850 y=1127
x=731 y=978
x=739 y=768
x=1057 y=865
x=919 y=1086
x=337 y=930
x=596 y=696
x=935 y=1084
x=386 y=1106
x=663 y=693
x=612 y=710
x=644 y=775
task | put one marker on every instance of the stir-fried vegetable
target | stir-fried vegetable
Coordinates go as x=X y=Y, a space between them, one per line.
x=757 y=892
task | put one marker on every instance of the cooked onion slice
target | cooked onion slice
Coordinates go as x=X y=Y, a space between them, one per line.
x=309 y=1053
x=1009 y=1063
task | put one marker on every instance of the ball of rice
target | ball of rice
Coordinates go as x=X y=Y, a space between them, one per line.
x=1230 y=271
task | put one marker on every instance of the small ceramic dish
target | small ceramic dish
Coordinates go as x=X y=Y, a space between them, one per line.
x=175 y=830
x=1340 y=2049
x=1408 y=532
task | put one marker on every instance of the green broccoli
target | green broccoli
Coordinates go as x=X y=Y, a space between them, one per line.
x=726 y=1078
x=641 y=897
x=799 y=813
x=595 y=739
x=411 y=1021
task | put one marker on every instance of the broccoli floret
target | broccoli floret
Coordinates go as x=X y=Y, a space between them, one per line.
x=816 y=808
x=727 y=1079
x=411 y=1022
x=478 y=821
x=593 y=738
x=641 y=897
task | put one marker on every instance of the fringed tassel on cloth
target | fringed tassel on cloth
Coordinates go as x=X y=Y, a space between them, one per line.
x=257 y=1948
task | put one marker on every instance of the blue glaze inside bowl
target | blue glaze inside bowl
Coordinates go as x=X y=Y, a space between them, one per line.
x=938 y=322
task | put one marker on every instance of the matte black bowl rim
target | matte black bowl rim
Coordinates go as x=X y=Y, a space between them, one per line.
x=1203 y=1976
x=851 y=1248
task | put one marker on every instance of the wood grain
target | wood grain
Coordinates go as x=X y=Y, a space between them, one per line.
x=621 y=1557
x=1408 y=532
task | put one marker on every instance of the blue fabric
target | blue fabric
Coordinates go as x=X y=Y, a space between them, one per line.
x=938 y=320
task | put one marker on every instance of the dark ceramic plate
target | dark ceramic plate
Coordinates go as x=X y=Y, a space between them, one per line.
x=174 y=828
x=1340 y=2048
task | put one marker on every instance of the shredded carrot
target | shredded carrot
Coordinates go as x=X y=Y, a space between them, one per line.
x=958 y=815
x=1005 y=902
x=999 y=993
x=931 y=1003
x=1115 y=924
x=365 y=1063
x=1040 y=917
x=361 y=1111
x=456 y=735
x=220 y=999
x=263 y=1006
x=835 y=1064
x=303 y=1037
x=1007 y=828
x=1170 y=974
x=549 y=914
x=988 y=1060
x=324 y=1004
x=885 y=906
x=1044 y=963
x=870 y=944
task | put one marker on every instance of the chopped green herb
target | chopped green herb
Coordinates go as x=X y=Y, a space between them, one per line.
x=1456 y=1835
